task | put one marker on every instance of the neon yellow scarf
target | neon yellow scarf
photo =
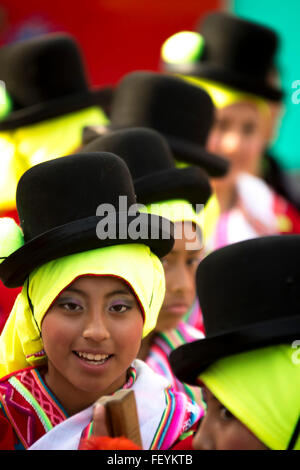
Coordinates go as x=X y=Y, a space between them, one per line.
x=20 y=341
x=22 y=148
x=223 y=95
x=261 y=388
x=180 y=210
x=176 y=210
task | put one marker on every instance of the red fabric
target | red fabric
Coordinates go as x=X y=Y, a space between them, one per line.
x=7 y=439
x=25 y=420
x=107 y=443
x=121 y=443
x=199 y=322
x=185 y=444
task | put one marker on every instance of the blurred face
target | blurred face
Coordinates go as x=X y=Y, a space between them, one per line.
x=220 y=430
x=180 y=267
x=240 y=135
x=91 y=334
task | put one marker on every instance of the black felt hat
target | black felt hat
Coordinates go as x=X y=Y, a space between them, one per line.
x=181 y=112
x=45 y=78
x=235 y=52
x=57 y=204
x=249 y=294
x=151 y=163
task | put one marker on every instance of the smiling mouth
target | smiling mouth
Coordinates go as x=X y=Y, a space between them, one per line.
x=94 y=359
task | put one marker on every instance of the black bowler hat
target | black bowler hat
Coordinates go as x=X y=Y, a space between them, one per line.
x=57 y=203
x=152 y=167
x=181 y=112
x=45 y=78
x=235 y=52
x=249 y=294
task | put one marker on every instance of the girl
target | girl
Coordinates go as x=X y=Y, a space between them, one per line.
x=237 y=74
x=172 y=193
x=89 y=296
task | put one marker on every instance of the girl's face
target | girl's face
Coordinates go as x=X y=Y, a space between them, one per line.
x=240 y=135
x=180 y=267
x=220 y=430
x=91 y=334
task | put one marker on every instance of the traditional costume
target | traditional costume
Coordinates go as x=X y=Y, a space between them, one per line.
x=59 y=242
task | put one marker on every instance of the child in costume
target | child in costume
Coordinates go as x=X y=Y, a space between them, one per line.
x=183 y=115
x=249 y=363
x=50 y=104
x=241 y=90
x=93 y=286
x=179 y=195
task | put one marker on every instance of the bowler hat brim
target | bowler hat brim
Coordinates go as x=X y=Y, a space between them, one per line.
x=191 y=184
x=194 y=154
x=235 y=80
x=81 y=235
x=191 y=359
x=56 y=107
x=183 y=150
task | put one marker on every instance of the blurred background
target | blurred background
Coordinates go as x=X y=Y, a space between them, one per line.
x=119 y=36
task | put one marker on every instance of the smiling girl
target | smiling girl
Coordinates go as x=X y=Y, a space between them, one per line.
x=174 y=194
x=76 y=328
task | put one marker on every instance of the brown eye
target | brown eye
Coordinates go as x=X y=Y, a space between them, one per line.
x=226 y=414
x=222 y=125
x=119 y=307
x=71 y=306
x=68 y=304
x=249 y=128
x=194 y=261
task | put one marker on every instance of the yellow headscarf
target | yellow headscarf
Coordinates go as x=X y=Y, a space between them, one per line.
x=178 y=210
x=223 y=95
x=20 y=342
x=261 y=388
x=24 y=147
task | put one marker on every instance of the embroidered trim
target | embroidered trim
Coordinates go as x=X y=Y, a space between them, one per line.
x=32 y=401
x=8 y=396
x=37 y=354
x=52 y=399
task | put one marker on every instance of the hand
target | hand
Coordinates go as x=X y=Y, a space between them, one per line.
x=99 y=421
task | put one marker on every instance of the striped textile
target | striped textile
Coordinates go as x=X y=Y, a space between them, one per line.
x=160 y=350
